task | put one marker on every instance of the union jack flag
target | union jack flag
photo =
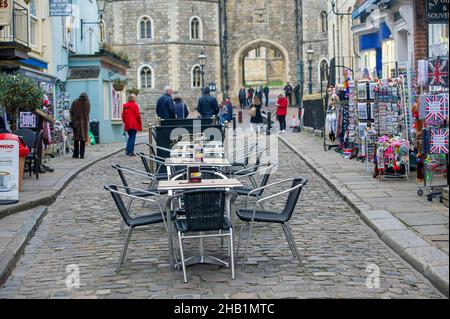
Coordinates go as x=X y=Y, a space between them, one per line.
x=436 y=107
x=438 y=72
x=439 y=141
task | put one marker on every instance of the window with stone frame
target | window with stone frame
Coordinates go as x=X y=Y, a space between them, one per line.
x=196 y=77
x=196 y=29
x=145 y=28
x=323 y=70
x=146 y=77
x=323 y=27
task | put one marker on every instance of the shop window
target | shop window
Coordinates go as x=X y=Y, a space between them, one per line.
x=257 y=52
x=438 y=33
x=369 y=60
x=388 y=54
x=145 y=76
x=196 y=28
x=196 y=75
x=145 y=28
x=116 y=101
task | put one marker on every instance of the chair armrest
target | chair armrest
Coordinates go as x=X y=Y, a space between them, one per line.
x=152 y=158
x=135 y=171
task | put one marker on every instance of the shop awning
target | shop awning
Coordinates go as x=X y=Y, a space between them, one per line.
x=35 y=63
x=366 y=7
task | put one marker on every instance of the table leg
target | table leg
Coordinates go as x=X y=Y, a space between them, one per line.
x=169 y=232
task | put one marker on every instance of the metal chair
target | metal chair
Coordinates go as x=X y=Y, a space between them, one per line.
x=147 y=177
x=257 y=190
x=249 y=217
x=134 y=222
x=205 y=213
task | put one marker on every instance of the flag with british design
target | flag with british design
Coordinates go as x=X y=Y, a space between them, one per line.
x=439 y=141
x=436 y=108
x=438 y=71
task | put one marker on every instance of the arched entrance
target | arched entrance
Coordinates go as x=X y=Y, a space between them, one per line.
x=240 y=58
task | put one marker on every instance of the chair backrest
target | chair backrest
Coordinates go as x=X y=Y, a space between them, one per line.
x=145 y=162
x=114 y=190
x=293 y=196
x=122 y=177
x=28 y=136
x=204 y=210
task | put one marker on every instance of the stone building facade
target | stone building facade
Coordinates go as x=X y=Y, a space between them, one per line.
x=179 y=30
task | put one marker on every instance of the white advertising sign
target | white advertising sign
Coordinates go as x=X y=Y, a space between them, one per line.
x=439 y=49
x=6 y=11
x=9 y=172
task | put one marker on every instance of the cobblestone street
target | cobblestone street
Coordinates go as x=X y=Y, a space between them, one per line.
x=82 y=228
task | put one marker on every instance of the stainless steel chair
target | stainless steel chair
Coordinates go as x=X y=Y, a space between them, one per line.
x=250 y=216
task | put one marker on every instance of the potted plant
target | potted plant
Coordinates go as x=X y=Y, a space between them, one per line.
x=17 y=93
x=119 y=85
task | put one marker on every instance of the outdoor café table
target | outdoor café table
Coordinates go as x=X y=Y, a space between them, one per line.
x=189 y=162
x=183 y=185
x=218 y=152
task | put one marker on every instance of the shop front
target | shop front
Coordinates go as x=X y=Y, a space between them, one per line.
x=103 y=77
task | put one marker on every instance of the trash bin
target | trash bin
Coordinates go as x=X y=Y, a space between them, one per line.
x=94 y=127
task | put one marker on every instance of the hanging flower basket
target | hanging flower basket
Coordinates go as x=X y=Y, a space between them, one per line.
x=118 y=85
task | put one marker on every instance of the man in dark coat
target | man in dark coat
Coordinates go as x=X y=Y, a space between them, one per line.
x=266 y=94
x=208 y=105
x=165 y=107
x=288 y=93
x=297 y=93
x=250 y=93
x=242 y=98
x=79 y=114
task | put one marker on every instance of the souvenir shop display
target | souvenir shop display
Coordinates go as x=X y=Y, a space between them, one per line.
x=339 y=105
x=392 y=157
x=431 y=113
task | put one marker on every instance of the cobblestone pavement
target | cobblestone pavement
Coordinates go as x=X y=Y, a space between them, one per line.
x=82 y=226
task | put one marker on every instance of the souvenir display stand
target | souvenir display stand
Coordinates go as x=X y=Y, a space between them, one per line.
x=431 y=113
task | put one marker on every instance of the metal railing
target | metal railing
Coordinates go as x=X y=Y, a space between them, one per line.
x=17 y=30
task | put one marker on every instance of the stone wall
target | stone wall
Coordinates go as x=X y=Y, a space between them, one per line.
x=171 y=53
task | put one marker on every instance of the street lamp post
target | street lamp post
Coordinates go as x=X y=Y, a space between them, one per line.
x=202 y=60
x=101 y=8
x=310 y=54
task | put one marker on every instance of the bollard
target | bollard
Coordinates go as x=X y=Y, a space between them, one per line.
x=234 y=138
x=240 y=116
x=269 y=122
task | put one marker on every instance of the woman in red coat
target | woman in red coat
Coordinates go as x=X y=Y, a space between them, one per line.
x=132 y=122
x=282 y=105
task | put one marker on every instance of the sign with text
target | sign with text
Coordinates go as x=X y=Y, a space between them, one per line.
x=6 y=12
x=437 y=11
x=9 y=172
x=60 y=8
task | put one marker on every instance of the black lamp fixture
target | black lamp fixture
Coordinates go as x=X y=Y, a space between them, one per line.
x=310 y=57
x=202 y=61
x=101 y=4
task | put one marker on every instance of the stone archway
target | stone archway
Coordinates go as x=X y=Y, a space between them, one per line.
x=239 y=57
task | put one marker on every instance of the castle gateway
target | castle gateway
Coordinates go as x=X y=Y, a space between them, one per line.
x=246 y=42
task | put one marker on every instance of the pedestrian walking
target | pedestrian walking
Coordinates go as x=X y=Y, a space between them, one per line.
x=288 y=92
x=259 y=92
x=79 y=114
x=256 y=120
x=229 y=110
x=266 y=94
x=250 y=94
x=132 y=123
x=242 y=96
x=180 y=108
x=282 y=105
x=207 y=105
x=165 y=108
x=296 y=90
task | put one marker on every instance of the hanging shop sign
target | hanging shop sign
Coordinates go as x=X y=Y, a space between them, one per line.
x=6 y=12
x=9 y=171
x=437 y=11
x=438 y=71
x=439 y=141
x=60 y=8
